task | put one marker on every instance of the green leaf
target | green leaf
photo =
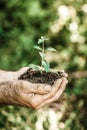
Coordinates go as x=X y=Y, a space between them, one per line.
x=51 y=49
x=34 y=66
x=38 y=48
x=42 y=55
x=40 y=41
x=44 y=38
x=46 y=65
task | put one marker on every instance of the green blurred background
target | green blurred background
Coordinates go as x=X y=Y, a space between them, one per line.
x=22 y=22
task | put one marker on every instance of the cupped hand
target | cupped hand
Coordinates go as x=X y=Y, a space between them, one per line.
x=33 y=95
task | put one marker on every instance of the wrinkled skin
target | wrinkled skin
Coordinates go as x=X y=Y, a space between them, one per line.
x=27 y=94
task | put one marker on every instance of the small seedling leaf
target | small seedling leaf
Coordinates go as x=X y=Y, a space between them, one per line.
x=40 y=41
x=42 y=55
x=38 y=48
x=34 y=66
x=51 y=49
x=46 y=65
x=44 y=38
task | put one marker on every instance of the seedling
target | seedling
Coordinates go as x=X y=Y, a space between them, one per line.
x=41 y=48
x=42 y=73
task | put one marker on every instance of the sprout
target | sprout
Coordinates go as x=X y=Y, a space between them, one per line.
x=41 y=42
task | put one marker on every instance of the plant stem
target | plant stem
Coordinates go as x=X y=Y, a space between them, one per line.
x=43 y=51
x=43 y=47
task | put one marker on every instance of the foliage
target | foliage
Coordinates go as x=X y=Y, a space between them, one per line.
x=21 y=24
x=44 y=64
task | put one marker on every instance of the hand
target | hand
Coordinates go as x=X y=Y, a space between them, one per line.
x=32 y=95
x=35 y=95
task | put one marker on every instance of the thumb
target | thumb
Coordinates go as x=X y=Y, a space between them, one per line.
x=22 y=70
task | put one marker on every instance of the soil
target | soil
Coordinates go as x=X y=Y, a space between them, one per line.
x=40 y=76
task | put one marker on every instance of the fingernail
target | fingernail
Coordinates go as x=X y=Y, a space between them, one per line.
x=47 y=88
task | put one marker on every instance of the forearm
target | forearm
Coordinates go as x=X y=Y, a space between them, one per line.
x=8 y=87
x=7 y=75
x=6 y=78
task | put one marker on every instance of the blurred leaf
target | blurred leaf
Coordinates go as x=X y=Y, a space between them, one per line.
x=46 y=65
x=42 y=55
x=38 y=48
x=34 y=66
x=51 y=49
x=40 y=41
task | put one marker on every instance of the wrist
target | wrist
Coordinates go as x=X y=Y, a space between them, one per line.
x=7 y=94
x=4 y=92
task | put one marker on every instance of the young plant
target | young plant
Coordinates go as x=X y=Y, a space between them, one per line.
x=41 y=48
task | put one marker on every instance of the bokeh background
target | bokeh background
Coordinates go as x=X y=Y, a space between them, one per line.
x=22 y=22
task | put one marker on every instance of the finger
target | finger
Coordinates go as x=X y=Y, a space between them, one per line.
x=56 y=96
x=37 y=99
x=43 y=98
x=41 y=88
x=24 y=69
x=61 y=71
x=64 y=75
x=21 y=71
x=55 y=87
x=61 y=89
x=37 y=88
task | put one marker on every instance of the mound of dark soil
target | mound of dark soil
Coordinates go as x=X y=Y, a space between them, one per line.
x=40 y=76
